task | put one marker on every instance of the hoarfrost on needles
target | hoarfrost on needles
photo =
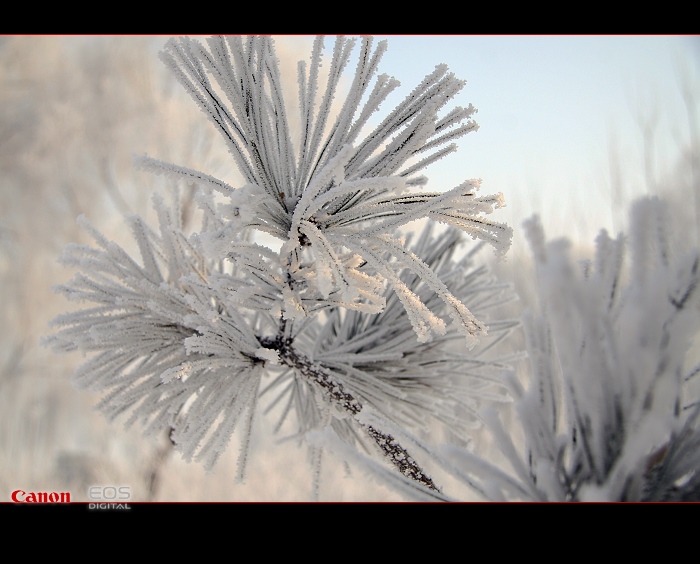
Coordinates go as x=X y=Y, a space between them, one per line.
x=608 y=413
x=184 y=339
x=362 y=340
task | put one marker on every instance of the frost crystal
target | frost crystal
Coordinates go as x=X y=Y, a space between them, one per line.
x=184 y=338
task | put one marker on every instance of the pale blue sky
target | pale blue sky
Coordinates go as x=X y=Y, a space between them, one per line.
x=549 y=110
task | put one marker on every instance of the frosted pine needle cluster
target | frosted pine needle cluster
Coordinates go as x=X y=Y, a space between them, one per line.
x=610 y=412
x=336 y=200
x=345 y=314
x=411 y=384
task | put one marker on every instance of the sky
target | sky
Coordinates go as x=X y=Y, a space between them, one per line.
x=551 y=109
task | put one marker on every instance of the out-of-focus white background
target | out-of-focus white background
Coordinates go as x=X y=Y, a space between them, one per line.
x=572 y=128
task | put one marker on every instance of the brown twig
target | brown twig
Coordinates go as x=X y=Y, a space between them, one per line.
x=389 y=446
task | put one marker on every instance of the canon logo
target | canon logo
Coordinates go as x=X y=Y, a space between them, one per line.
x=20 y=496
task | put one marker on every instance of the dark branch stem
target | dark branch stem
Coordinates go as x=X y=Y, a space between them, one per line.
x=391 y=448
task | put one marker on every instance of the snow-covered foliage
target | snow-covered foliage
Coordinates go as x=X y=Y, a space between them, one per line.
x=610 y=409
x=349 y=318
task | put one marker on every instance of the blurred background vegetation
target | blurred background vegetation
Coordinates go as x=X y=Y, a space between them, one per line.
x=73 y=112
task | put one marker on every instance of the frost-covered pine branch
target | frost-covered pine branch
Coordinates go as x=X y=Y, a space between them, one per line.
x=346 y=316
x=610 y=409
x=376 y=358
x=336 y=202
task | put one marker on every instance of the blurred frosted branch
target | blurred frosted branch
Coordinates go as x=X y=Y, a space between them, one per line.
x=602 y=413
x=691 y=95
